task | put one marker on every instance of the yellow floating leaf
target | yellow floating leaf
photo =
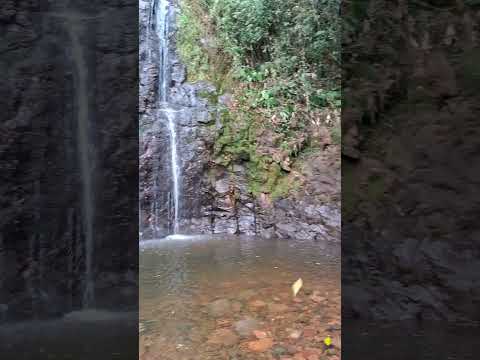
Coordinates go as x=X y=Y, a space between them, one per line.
x=297 y=285
x=327 y=341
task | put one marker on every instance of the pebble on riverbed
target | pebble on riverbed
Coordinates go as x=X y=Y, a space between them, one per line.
x=261 y=325
x=246 y=327
x=219 y=308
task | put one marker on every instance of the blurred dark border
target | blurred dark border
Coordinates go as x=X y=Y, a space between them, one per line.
x=57 y=58
x=410 y=179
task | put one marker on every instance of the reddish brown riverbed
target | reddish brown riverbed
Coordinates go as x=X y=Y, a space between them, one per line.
x=231 y=298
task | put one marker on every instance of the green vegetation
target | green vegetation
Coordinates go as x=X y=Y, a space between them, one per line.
x=280 y=61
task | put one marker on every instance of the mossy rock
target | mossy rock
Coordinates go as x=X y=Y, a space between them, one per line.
x=210 y=96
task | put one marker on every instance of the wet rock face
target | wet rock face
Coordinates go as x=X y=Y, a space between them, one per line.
x=41 y=211
x=312 y=212
x=192 y=118
x=37 y=167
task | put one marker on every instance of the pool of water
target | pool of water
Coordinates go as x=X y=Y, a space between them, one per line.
x=231 y=298
x=89 y=334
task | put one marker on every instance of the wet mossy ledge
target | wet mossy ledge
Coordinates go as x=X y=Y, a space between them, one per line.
x=275 y=67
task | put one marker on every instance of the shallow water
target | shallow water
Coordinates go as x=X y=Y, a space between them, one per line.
x=182 y=277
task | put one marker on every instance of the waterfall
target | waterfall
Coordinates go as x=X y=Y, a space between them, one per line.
x=175 y=168
x=163 y=33
x=74 y=28
x=83 y=119
x=162 y=27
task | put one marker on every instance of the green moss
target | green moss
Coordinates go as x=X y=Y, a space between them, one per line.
x=262 y=177
x=233 y=142
x=284 y=186
x=266 y=176
x=237 y=142
x=210 y=96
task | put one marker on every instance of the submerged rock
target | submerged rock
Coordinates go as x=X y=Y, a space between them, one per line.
x=246 y=294
x=219 y=308
x=223 y=337
x=246 y=327
x=260 y=345
x=277 y=308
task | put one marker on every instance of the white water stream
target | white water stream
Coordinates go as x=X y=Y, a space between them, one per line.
x=84 y=146
x=175 y=166
x=163 y=33
x=75 y=26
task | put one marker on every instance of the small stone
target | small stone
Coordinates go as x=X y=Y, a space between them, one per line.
x=334 y=324
x=260 y=334
x=304 y=318
x=222 y=186
x=307 y=291
x=311 y=354
x=291 y=349
x=223 y=322
x=246 y=327
x=261 y=345
x=298 y=356
x=223 y=337
x=219 y=308
x=308 y=333
x=278 y=350
x=296 y=334
x=227 y=284
x=246 y=295
x=316 y=297
x=237 y=306
x=148 y=343
x=277 y=308
x=257 y=304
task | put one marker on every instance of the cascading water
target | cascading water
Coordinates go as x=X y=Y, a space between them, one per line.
x=172 y=117
x=75 y=28
x=175 y=168
x=162 y=29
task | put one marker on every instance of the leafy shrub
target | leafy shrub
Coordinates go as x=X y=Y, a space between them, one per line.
x=280 y=59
